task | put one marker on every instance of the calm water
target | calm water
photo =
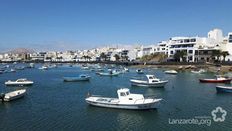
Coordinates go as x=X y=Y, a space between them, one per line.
x=51 y=104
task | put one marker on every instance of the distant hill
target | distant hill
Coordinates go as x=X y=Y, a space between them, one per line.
x=21 y=51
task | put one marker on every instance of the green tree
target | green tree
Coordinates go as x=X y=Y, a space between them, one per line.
x=217 y=54
x=180 y=55
x=224 y=54
x=117 y=57
x=103 y=56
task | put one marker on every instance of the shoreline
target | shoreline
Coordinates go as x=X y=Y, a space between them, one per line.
x=179 y=66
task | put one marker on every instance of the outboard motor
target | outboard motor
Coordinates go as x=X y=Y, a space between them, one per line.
x=2 y=97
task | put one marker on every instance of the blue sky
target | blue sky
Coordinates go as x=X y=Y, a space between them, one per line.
x=84 y=24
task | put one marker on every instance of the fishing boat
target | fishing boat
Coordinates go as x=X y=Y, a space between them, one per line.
x=151 y=81
x=139 y=71
x=218 y=79
x=13 y=95
x=171 y=72
x=125 y=100
x=224 y=89
x=78 y=78
x=21 y=82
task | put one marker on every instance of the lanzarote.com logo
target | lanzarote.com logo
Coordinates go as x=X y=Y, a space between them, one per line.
x=219 y=115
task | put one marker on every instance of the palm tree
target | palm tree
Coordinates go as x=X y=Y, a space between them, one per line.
x=217 y=54
x=117 y=57
x=103 y=56
x=180 y=55
x=224 y=54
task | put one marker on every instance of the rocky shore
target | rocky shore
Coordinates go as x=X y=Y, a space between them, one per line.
x=210 y=68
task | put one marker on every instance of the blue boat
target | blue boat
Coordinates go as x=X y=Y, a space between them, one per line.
x=224 y=89
x=77 y=78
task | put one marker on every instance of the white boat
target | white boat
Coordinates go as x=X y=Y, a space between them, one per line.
x=126 y=69
x=199 y=71
x=13 y=95
x=43 y=68
x=85 y=68
x=22 y=81
x=125 y=100
x=151 y=81
x=171 y=72
x=31 y=65
x=139 y=71
x=12 y=70
x=110 y=73
x=81 y=77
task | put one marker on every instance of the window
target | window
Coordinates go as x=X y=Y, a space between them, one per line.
x=190 y=51
x=171 y=52
x=190 y=58
x=186 y=40
x=193 y=40
x=230 y=36
x=127 y=93
x=122 y=94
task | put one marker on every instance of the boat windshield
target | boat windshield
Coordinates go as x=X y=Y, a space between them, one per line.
x=127 y=93
x=21 y=80
x=151 y=77
x=122 y=94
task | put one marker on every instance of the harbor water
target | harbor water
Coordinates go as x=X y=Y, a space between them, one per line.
x=51 y=104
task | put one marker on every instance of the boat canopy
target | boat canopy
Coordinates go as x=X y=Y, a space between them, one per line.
x=122 y=93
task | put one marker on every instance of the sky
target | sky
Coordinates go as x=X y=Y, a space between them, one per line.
x=84 y=24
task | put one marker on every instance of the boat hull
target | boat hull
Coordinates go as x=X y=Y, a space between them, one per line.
x=214 y=81
x=160 y=84
x=18 y=84
x=224 y=89
x=108 y=74
x=9 y=97
x=126 y=106
x=75 y=79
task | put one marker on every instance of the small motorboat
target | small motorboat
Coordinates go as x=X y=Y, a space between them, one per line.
x=199 y=71
x=85 y=68
x=224 y=89
x=12 y=70
x=78 y=78
x=31 y=65
x=43 y=68
x=139 y=71
x=126 y=69
x=151 y=81
x=110 y=73
x=19 y=82
x=125 y=100
x=20 y=68
x=171 y=72
x=218 y=79
x=13 y=95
